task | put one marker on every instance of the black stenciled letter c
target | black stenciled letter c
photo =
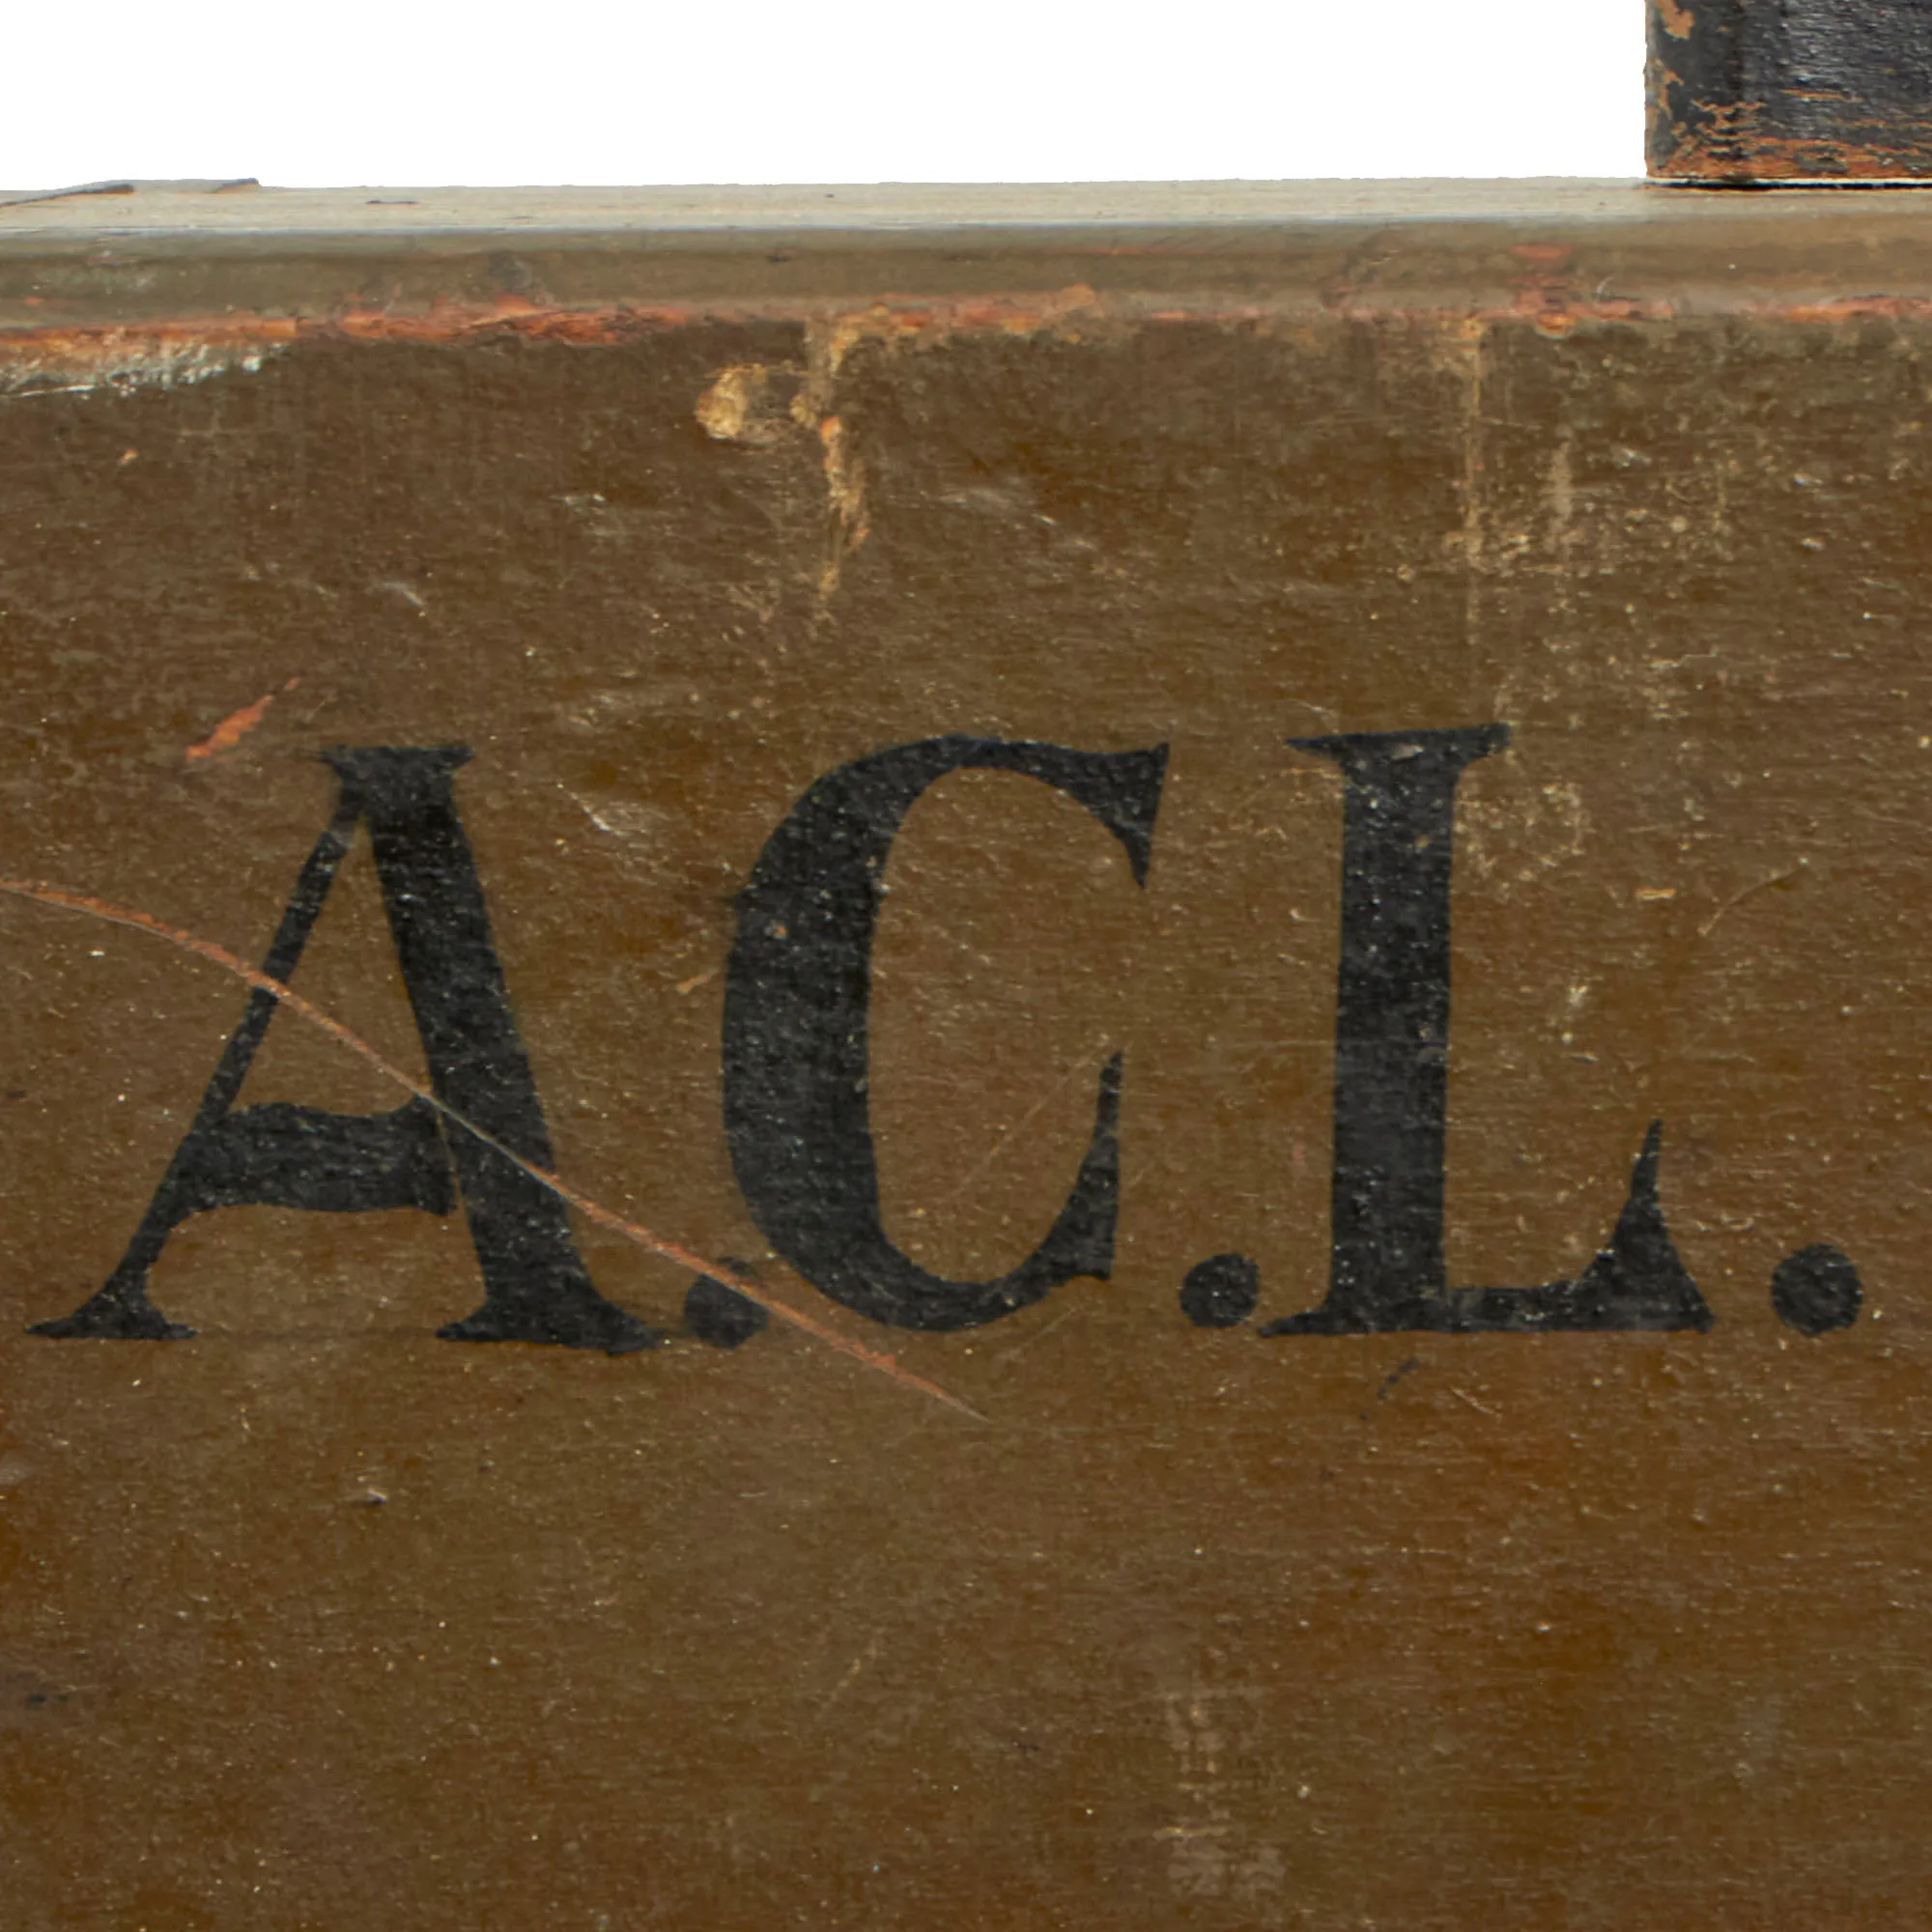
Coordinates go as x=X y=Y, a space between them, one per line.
x=797 y=1038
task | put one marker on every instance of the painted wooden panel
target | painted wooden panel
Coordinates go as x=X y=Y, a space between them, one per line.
x=1044 y=1058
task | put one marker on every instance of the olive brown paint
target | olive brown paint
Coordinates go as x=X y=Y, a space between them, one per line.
x=1105 y=1090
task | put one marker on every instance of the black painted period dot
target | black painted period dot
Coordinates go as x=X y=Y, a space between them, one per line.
x=716 y=1312
x=1816 y=1289
x=1220 y=1291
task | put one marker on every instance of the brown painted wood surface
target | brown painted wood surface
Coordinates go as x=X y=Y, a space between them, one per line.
x=668 y=505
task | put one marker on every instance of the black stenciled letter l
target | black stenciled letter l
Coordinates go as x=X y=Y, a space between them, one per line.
x=1386 y=1268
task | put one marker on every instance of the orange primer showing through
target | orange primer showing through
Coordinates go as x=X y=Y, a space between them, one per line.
x=238 y=725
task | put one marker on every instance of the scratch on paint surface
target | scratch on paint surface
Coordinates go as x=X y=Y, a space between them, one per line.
x=1756 y=886
x=44 y=892
x=815 y=406
x=1475 y=335
x=853 y=1672
x=238 y=725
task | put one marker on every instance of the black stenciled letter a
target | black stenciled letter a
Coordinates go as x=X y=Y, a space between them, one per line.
x=536 y=1289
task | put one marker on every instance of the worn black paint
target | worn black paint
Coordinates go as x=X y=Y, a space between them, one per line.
x=1392 y=1017
x=796 y=1043
x=1817 y=1290
x=1386 y=1267
x=1757 y=89
x=536 y=1289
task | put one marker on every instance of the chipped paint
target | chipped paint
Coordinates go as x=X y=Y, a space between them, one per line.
x=741 y=403
x=1809 y=90
x=236 y=726
x=1207 y=512
x=77 y=361
x=724 y=408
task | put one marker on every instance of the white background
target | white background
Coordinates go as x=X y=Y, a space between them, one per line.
x=427 y=92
